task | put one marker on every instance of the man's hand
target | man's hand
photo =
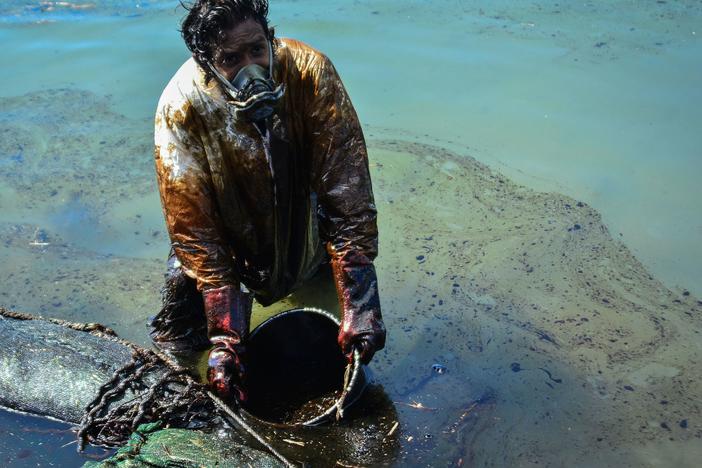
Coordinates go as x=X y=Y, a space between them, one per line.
x=225 y=369
x=364 y=332
x=228 y=313
x=361 y=321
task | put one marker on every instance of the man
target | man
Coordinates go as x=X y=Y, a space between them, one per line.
x=263 y=174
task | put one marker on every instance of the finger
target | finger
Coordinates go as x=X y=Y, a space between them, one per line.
x=366 y=350
x=239 y=394
x=345 y=344
x=349 y=357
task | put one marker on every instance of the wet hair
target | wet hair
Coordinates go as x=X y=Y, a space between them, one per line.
x=205 y=25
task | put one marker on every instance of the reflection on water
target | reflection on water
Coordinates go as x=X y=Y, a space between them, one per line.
x=560 y=347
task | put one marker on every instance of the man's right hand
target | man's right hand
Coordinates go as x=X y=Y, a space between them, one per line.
x=225 y=369
x=228 y=312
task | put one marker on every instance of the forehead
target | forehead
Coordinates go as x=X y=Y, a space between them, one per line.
x=243 y=34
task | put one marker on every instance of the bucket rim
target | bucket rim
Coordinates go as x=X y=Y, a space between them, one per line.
x=357 y=372
x=294 y=310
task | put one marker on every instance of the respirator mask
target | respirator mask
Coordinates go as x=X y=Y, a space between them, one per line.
x=252 y=92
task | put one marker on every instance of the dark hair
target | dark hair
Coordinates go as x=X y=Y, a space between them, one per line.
x=204 y=26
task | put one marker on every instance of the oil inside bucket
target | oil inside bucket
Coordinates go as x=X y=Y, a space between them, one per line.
x=295 y=368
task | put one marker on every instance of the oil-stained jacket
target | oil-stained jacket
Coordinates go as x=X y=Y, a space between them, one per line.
x=260 y=205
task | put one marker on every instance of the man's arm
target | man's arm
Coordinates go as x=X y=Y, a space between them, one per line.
x=195 y=229
x=348 y=209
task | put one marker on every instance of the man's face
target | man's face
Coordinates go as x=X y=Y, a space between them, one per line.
x=244 y=44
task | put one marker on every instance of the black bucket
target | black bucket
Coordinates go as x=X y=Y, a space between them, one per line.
x=296 y=371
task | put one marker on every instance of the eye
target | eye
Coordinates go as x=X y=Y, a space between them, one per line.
x=230 y=60
x=258 y=49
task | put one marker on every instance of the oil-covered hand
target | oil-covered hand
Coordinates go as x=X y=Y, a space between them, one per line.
x=225 y=370
x=362 y=325
x=228 y=313
x=364 y=332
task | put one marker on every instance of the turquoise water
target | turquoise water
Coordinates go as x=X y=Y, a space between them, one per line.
x=599 y=101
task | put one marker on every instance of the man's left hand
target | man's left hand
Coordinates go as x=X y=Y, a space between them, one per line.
x=365 y=332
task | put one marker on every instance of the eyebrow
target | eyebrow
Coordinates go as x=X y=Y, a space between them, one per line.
x=257 y=40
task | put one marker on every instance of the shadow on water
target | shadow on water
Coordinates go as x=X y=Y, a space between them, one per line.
x=31 y=441
x=555 y=344
x=364 y=437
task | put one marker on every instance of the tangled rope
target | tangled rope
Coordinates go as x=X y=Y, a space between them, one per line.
x=94 y=328
x=150 y=387
x=139 y=392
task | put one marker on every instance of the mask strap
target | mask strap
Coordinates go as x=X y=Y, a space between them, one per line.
x=225 y=82
x=270 y=60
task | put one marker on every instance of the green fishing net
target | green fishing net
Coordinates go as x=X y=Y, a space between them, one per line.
x=152 y=446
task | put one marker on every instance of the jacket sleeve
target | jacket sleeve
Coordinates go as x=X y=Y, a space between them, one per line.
x=189 y=206
x=345 y=195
